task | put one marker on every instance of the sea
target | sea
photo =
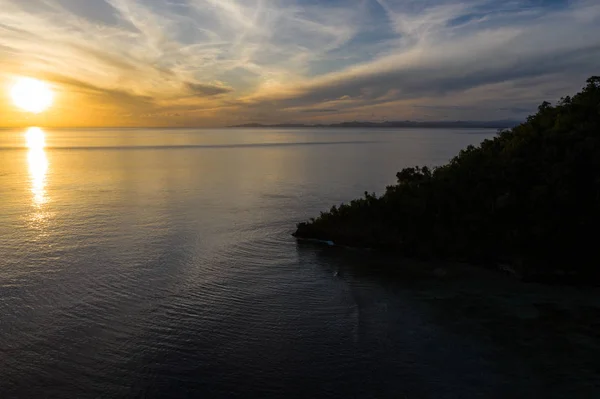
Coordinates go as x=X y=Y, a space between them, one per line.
x=160 y=263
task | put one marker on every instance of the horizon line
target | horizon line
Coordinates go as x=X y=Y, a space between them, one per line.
x=283 y=124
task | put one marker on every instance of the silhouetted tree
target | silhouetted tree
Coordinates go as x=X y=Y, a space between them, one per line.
x=530 y=196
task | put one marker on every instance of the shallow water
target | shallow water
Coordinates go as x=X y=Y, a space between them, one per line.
x=160 y=263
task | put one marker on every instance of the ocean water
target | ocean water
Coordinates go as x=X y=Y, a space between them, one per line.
x=160 y=263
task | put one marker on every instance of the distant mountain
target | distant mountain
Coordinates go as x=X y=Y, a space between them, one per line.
x=502 y=124
x=277 y=125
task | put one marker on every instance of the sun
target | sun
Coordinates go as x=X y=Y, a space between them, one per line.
x=32 y=95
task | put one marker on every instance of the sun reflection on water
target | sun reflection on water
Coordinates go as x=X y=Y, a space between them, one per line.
x=38 y=164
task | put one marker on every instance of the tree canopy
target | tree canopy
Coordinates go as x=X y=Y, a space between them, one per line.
x=530 y=196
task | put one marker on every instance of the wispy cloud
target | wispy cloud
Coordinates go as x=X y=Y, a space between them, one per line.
x=214 y=62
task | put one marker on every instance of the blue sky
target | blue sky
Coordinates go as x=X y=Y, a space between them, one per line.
x=219 y=62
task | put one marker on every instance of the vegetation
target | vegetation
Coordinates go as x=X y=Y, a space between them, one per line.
x=529 y=197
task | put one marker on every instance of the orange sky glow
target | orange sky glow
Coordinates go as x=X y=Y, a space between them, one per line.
x=222 y=62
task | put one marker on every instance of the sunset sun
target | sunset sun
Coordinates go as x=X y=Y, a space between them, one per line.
x=32 y=95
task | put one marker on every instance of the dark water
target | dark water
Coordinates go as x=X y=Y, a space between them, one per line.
x=160 y=263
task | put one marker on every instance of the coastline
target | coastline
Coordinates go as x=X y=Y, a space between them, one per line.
x=526 y=200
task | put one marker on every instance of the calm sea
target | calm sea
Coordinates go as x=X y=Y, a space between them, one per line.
x=159 y=263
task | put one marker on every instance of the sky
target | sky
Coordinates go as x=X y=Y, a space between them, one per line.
x=224 y=62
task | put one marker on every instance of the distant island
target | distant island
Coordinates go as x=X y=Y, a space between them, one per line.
x=527 y=200
x=502 y=124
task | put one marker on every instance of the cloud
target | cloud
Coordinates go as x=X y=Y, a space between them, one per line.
x=117 y=97
x=211 y=61
x=465 y=59
x=200 y=89
x=319 y=110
